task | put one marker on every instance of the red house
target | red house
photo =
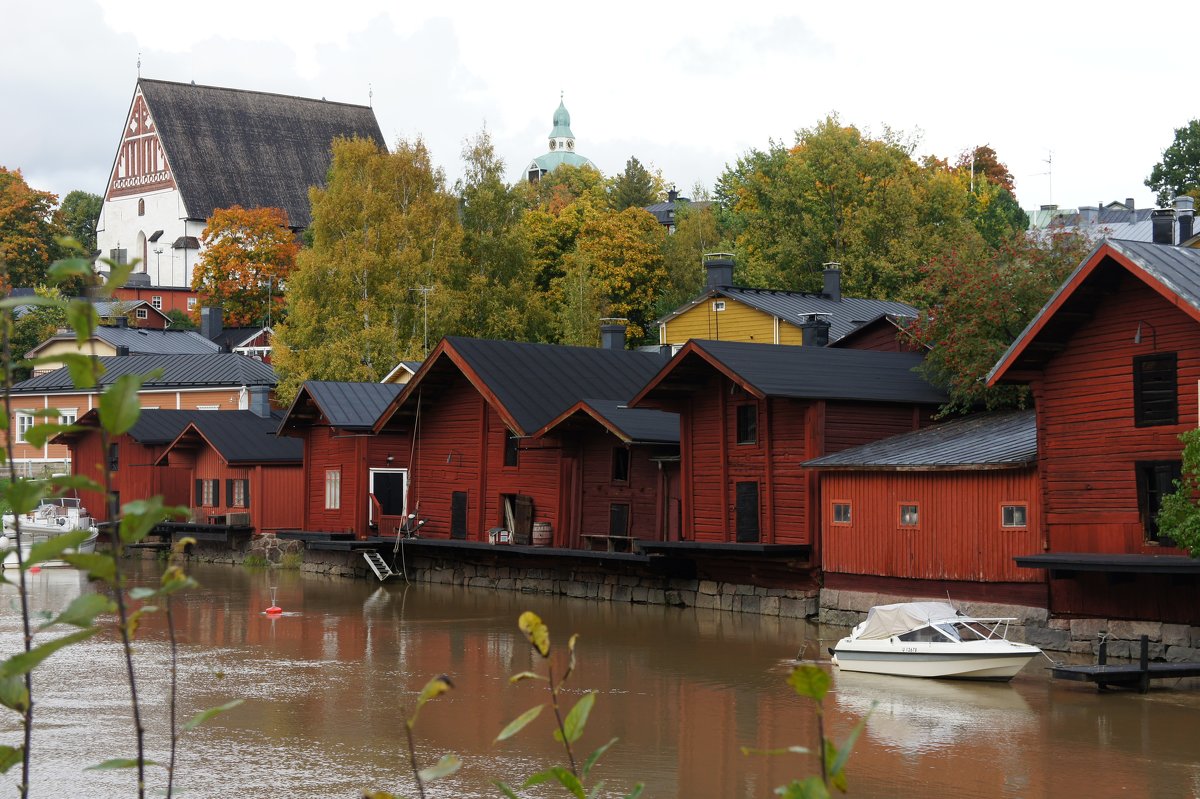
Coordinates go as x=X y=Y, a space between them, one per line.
x=241 y=472
x=354 y=481
x=130 y=459
x=751 y=414
x=525 y=437
x=1113 y=361
x=944 y=509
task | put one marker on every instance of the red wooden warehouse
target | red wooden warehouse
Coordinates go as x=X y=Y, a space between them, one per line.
x=499 y=440
x=1113 y=361
x=944 y=509
x=354 y=481
x=751 y=414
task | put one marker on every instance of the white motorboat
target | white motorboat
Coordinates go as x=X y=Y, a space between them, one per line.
x=932 y=639
x=51 y=518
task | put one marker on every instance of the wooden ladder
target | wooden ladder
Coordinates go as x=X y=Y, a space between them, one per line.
x=381 y=569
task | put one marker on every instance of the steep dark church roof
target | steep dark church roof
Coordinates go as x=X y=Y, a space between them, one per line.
x=253 y=149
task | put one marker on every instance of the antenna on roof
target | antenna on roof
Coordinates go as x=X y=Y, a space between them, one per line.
x=370 y=96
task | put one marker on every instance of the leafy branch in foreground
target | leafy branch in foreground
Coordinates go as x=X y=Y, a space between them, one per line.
x=1179 y=516
x=568 y=730
x=446 y=765
x=813 y=683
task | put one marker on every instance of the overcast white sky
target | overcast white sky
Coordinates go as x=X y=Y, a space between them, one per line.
x=687 y=87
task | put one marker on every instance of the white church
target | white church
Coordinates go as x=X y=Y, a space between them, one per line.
x=187 y=150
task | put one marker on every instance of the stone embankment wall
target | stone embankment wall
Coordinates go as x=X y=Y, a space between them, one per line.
x=1170 y=642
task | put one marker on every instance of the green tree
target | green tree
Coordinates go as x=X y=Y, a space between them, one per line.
x=78 y=214
x=1179 y=170
x=35 y=324
x=29 y=231
x=977 y=301
x=1179 y=516
x=247 y=257
x=386 y=239
x=181 y=320
x=636 y=187
x=697 y=231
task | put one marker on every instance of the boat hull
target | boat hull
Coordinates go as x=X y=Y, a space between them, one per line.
x=88 y=545
x=1002 y=664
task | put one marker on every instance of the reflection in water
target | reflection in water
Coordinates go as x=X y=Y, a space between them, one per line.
x=328 y=683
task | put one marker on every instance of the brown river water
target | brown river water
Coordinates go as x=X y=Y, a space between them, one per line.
x=327 y=685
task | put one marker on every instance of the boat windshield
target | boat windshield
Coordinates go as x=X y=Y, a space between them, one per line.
x=931 y=634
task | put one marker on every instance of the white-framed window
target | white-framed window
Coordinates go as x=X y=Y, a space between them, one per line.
x=24 y=422
x=1014 y=515
x=156 y=301
x=208 y=407
x=718 y=305
x=910 y=514
x=841 y=512
x=333 y=489
x=191 y=303
x=238 y=491
x=67 y=415
x=208 y=493
x=142 y=313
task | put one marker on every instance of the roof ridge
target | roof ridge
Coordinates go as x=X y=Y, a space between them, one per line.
x=194 y=85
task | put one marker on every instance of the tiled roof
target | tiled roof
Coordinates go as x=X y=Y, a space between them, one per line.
x=253 y=149
x=179 y=371
x=995 y=440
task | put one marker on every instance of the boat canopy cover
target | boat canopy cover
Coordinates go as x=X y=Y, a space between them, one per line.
x=884 y=621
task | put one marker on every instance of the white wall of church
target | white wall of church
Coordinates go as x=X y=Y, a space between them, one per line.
x=121 y=227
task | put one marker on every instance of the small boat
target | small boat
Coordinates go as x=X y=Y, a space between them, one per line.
x=932 y=639
x=51 y=518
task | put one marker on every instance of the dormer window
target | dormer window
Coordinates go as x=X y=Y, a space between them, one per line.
x=718 y=305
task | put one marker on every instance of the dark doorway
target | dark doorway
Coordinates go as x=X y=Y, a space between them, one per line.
x=746 y=509
x=388 y=488
x=458 y=515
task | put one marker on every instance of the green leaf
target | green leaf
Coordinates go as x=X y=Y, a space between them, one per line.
x=538 y=778
x=98 y=566
x=118 y=274
x=594 y=756
x=83 y=610
x=67 y=268
x=810 y=681
x=811 y=788
x=25 y=662
x=118 y=762
x=576 y=720
x=836 y=778
x=10 y=756
x=13 y=693
x=525 y=675
x=569 y=781
x=25 y=495
x=444 y=768
x=39 y=434
x=204 y=715
x=119 y=405
x=636 y=792
x=597 y=790
x=53 y=548
x=537 y=633
x=433 y=689
x=504 y=789
x=77 y=482
x=140 y=517
x=142 y=592
x=85 y=371
x=518 y=724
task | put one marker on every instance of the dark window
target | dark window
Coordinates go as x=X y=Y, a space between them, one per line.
x=747 y=424
x=910 y=516
x=1155 y=479
x=618 y=519
x=114 y=459
x=141 y=207
x=746 y=509
x=510 y=448
x=114 y=505
x=620 y=463
x=458 y=515
x=1014 y=516
x=1155 y=390
x=841 y=513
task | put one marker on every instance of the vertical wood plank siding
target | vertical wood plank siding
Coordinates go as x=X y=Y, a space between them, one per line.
x=599 y=492
x=136 y=476
x=274 y=490
x=960 y=535
x=1087 y=441
x=536 y=475
x=325 y=449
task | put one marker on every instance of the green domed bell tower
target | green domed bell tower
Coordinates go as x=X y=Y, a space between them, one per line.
x=562 y=148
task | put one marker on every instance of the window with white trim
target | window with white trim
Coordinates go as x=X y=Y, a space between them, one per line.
x=142 y=313
x=191 y=303
x=841 y=513
x=1014 y=516
x=333 y=489
x=208 y=407
x=910 y=515
x=24 y=422
x=208 y=493
x=156 y=301
x=68 y=415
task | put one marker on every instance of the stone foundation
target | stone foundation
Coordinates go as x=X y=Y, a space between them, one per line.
x=1170 y=642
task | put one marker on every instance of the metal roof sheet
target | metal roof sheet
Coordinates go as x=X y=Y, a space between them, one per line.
x=780 y=370
x=246 y=437
x=179 y=371
x=638 y=424
x=999 y=440
x=351 y=405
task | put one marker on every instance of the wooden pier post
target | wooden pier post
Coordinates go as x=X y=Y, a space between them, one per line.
x=1144 y=665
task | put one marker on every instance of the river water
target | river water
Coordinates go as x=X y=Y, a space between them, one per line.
x=326 y=688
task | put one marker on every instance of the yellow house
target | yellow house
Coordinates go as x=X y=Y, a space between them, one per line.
x=725 y=312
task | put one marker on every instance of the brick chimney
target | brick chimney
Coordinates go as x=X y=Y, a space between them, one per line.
x=720 y=269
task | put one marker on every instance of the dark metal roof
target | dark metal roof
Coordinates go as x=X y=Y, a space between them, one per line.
x=537 y=382
x=986 y=440
x=245 y=437
x=776 y=370
x=843 y=315
x=179 y=371
x=1176 y=269
x=153 y=426
x=253 y=149
x=639 y=425
x=1104 y=562
x=666 y=212
x=143 y=341
x=350 y=405
x=231 y=337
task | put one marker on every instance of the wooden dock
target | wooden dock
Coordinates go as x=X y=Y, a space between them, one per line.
x=1127 y=675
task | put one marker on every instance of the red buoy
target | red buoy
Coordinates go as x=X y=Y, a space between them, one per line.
x=274 y=610
x=34 y=569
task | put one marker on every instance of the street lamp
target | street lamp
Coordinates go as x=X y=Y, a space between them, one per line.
x=158 y=266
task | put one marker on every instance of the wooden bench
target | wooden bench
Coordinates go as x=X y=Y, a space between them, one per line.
x=598 y=542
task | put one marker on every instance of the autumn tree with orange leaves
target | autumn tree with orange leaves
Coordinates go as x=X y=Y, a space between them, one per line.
x=29 y=230
x=247 y=257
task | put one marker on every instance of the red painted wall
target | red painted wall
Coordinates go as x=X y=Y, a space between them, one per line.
x=642 y=492
x=274 y=489
x=136 y=476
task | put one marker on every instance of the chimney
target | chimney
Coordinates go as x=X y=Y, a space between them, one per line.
x=672 y=195
x=720 y=269
x=666 y=351
x=260 y=400
x=832 y=287
x=1185 y=212
x=814 y=331
x=122 y=349
x=1132 y=210
x=612 y=337
x=1089 y=215
x=210 y=323
x=1162 y=221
